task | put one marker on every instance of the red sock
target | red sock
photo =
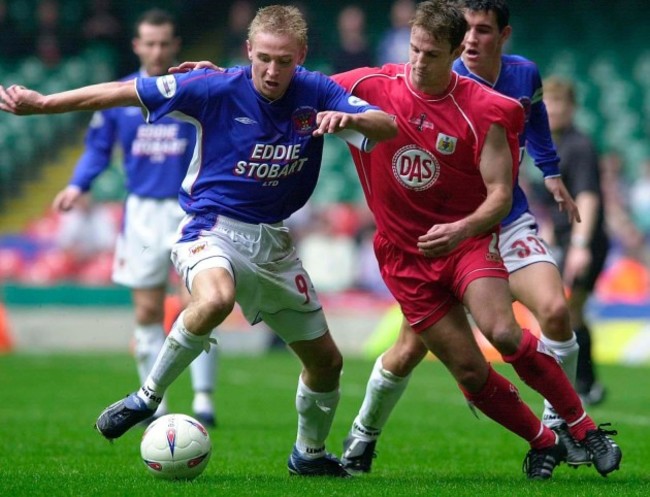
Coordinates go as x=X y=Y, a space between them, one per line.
x=500 y=401
x=540 y=370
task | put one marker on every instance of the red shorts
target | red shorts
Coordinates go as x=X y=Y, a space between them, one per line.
x=427 y=288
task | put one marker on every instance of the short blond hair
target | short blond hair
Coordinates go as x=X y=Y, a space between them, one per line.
x=280 y=20
x=557 y=87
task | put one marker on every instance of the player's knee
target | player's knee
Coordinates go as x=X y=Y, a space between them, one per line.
x=214 y=310
x=326 y=368
x=331 y=364
x=470 y=376
x=506 y=338
x=555 y=320
x=148 y=313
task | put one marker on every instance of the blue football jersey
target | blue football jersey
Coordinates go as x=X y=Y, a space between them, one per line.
x=156 y=156
x=520 y=79
x=256 y=160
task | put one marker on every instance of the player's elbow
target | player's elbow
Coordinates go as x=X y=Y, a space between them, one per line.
x=389 y=128
x=507 y=205
x=503 y=197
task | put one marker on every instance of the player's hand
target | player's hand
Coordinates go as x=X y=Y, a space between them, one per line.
x=563 y=198
x=20 y=101
x=331 y=121
x=441 y=239
x=191 y=65
x=576 y=264
x=67 y=198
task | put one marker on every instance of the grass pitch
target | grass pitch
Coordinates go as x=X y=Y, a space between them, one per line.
x=432 y=446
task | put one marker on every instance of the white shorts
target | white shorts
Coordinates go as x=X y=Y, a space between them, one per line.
x=271 y=283
x=142 y=252
x=520 y=244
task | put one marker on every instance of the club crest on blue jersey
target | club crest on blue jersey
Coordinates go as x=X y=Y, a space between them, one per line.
x=445 y=144
x=304 y=120
x=166 y=85
x=527 y=104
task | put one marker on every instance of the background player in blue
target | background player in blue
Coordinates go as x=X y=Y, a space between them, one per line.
x=156 y=157
x=257 y=159
x=534 y=277
x=581 y=248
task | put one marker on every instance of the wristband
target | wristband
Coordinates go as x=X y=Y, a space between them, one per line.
x=579 y=241
x=356 y=139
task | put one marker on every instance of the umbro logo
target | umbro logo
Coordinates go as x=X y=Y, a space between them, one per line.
x=245 y=120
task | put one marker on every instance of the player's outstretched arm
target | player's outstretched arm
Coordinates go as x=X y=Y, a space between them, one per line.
x=22 y=101
x=376 y=125
x=191 y=65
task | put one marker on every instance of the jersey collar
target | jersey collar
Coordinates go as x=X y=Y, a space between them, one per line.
x=426 y=96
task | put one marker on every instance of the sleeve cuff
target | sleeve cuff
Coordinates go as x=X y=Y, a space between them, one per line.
x=550 y=170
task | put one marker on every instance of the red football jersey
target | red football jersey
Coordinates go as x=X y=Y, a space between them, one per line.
x=428 y=174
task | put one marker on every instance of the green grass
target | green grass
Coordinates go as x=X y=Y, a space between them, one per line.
x=433 y=445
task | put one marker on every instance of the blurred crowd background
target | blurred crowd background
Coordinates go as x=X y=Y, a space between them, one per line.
x=52 y=45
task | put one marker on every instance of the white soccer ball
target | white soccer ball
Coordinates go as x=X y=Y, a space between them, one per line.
x=175 y=447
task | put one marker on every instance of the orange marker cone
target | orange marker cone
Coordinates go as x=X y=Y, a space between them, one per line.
x=6 y=343
x=173 y=308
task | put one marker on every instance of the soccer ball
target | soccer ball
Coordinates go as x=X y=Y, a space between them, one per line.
x=175 y=447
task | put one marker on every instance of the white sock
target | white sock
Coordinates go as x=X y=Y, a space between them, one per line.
x=180 y=348
x=149 y=340
x=202 y=403
x=315 y=415
x=567 y=354
x=383 y=391
x=203 y=371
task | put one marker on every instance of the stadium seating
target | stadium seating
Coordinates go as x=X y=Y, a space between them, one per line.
x=601 y=46
x=25 y=141
x=581 y=39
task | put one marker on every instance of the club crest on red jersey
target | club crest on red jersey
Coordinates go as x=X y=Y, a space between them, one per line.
x=304 y=120
x=445 y=144
x=421 y=122
x=415 y=168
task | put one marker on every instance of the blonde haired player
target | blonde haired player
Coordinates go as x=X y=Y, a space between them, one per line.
x=259 y=148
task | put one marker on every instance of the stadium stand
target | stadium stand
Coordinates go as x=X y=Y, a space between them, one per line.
x=599 y=44
x=27 y=141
